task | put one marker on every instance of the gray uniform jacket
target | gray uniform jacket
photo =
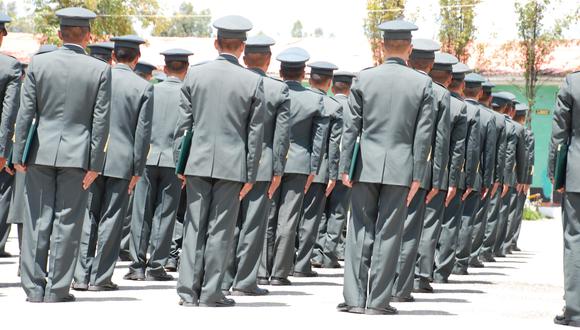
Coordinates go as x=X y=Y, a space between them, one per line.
x=222 y=104
x=165 y=113
x=308 y=130
x=392 y=112
x=72 y=110
x=516 y=159
x=458 y=132
x=439 y=154
x=488 y=146
x=345 y=103
x=500 y=147
x=276 y=128
x=531 y=144
x=10 y=101
x=469 y=175
x=331 y=156
x=130 y=127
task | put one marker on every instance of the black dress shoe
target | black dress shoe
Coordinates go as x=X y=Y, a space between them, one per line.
x=403 y=299
x=280 y=281
x=80 y=286
x=35 y=299
x=255 y=292
x=188 y=303
x=343 y=307
x=422 y=285
x=104 y=287
x=487 y=258
x=171 y=265
x=68 y=298
x=224 y=302
x=562 y=320
x=389 y=310
x=5 y=254
x=124 y=256
x=476 y=264
x=440 y=280
x=517 y=249
x=305 y=274
x=316 y=264
x=159 y=276
x=459 y=271
x=499 y=255
x=135 y=275
x=263 y=281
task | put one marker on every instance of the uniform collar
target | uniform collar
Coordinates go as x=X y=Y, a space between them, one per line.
x=341 y=95
x=397 y=60
x=456 y=95
x=258 y=71
x=75 y=48
x=293 y=82
x=229 y=57
x=122 y=66
x=173 y=79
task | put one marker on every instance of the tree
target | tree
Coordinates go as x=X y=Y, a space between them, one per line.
x=457 y=29
x=115 y=17
x=318 y=32
x=297 y=30
x=537 y=42
x=380 y=11
x=187 y=23
x=18 y=24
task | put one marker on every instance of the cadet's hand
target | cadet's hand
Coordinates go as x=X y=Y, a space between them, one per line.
x=308 y=182
x=450 y=195
x=274 y=185
x=431 y=195
x=329 y=187
x=87 y=180
x=20 y=168
x=506 y=188
x=245 y=190
x=561 y=190
x=484 y=193
x=494 y=189
x=466 y=194
x=182 y=178
x=2 y=163
x=9 y=171
x=133 y=183
x=346 y=180
x=412 y=192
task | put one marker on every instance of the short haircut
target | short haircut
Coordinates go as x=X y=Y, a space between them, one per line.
x=144 y=75
x=520 y=117
x=423 y=64
x=341 y=87
x=255 y=60
x=291 y=73
x=74 y=34
x=126 y=54
x=471 y=91
x=440 y=76
x=106 y=58
x=176 y=66
x=229 y=45
x=397 y=45
x=455 y=84
x=319 y=78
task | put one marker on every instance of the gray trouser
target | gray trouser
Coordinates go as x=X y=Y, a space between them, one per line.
x=430 y=236
x=373 y=243
x=242 y=270
x=521 y=204
x=6 y=181
x=571 y=226
x=154 y=208
x=503 y=222
x=101 y=234
x=512 y=223
x=177 y=238
x=412 y=229
x=279 y=246
x=447 y=244
x=126 y=232
x=465 y=237
x=307 y=231
x=208 y=233
x=479 y=229
x=492 y=225
x=333 y=222
x=57 y=205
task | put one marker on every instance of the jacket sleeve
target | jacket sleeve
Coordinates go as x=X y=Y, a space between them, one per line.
x=500 y=156
x=457 y=148
x=488 y=165
x=143 y=132
x=352 y=125
x=335 y=135
x=521 y=157
x=184 y=118
x=442 y=141
x=472 y=151
x=100 y=125
x=9 y=109
x=319 y=135
x=255 y=131
x=510 y=155
x=531 y=157
x=561 y=123
x=423 y=133
x=26 y=113
x=281 y=133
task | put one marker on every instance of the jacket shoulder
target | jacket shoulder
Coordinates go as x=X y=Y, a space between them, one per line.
x=8 y=59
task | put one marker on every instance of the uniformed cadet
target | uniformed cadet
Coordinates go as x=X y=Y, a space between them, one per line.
x=129 y=136
x=145 y=70
x=442 y=76
x=242 y=271
x=102 y=50
x=222 y=104
x=157 y=194
x=472 y=217
x=308 y=130
x=395 y=103
x=9 y=99
x=422 y=59
x=453 y=214
x=564 y=131
x=481 y=249
x=321 y=74
x=68 y=95
x=335 y=213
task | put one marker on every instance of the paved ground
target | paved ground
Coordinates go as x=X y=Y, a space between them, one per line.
x=523 y=291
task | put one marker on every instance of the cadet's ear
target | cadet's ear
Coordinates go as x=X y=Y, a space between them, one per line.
x=59 y=34
x=165 y=70
x=216 y=44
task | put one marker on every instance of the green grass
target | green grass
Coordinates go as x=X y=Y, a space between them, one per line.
x=531 y=214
